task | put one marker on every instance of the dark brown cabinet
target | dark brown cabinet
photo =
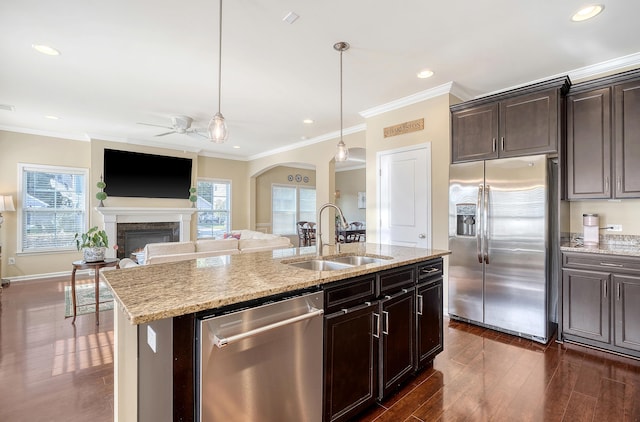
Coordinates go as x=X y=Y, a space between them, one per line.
x=375 y=338
x=524 y=121
x=603 y=138
x=600 y=296
x=586 y=304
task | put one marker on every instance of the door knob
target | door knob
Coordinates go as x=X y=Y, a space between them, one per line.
x=422 y=236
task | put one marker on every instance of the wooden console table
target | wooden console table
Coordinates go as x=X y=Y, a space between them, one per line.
x=95 y=266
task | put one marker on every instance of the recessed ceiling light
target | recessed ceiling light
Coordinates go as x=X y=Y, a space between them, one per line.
x=236 y=146
x=50 y=117
x=45 y=49
x=307 y=121
x=290 y=17
x=426 y=73
x=587 y=12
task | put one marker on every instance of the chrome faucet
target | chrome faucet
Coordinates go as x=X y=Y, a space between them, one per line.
x=320 y=244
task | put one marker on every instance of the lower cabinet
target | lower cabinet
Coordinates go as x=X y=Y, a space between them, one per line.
x=429 y=322
x=378 y=330
x=351 y=361
x=600 y=297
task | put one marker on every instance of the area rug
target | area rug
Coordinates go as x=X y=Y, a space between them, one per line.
x=85 y=296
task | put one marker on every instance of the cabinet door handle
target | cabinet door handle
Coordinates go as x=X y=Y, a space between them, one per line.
x=619 y=182
x=618 y=290
x=420 y=305
x=502 y=142
x=606 y=184
x=430 y=270
x=604 y=287
x=494 y=145
x=376 y=325
x=385 y=325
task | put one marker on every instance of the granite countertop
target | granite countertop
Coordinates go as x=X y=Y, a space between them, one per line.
x=602 y=248
x=153 y=292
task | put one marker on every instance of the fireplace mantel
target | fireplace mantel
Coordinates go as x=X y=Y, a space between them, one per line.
x=114 y=215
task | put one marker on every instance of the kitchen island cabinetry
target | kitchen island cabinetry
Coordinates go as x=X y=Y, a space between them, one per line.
x=600 y=297
x=162 y=310
x=378 y=335
x=524 y=121
x=603 y=138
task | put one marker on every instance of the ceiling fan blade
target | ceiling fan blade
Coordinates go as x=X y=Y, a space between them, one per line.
x=166 y=133
x=150 y=124
x=197 y=134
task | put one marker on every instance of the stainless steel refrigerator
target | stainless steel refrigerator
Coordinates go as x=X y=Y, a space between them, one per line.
x=499 y=231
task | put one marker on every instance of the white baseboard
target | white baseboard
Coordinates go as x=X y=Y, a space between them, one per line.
x=34 y=277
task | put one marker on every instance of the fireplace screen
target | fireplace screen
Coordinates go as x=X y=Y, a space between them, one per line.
x=132 y=237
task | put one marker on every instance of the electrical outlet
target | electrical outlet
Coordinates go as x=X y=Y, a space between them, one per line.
x=12 y=261
x=614 y=227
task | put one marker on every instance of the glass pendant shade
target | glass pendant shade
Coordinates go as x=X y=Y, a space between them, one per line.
x=217 y=129
x=342 y=152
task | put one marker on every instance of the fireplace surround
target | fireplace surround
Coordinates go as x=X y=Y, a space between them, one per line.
x=174 y=221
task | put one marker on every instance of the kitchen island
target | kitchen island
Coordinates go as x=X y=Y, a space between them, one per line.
x=157 y=306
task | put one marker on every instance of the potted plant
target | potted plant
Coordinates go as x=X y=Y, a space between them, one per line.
x=93 y=244
x=193 y=197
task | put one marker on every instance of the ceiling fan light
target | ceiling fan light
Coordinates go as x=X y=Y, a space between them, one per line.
x=217 y=129
x=342 y=152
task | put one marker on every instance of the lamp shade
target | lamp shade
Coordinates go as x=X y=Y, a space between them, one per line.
x=6 y=203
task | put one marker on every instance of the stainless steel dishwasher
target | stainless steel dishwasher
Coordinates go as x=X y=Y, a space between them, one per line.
x=263 y=363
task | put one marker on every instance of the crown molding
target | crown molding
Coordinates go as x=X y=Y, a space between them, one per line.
x=62 y=135
x=408 y=100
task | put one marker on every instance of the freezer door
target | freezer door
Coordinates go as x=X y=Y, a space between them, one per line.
x=517 y=231
x=465 y=228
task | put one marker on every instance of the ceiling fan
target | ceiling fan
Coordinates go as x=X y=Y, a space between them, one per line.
x=180 y=125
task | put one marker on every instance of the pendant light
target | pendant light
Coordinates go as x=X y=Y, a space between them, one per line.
x=342 y=152
x=217 y=128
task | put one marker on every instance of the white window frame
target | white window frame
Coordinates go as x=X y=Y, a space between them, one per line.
x=297 y=210
x=229 y=203
x=22 y=167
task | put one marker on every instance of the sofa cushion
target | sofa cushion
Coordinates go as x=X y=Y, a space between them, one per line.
x=255 y=245
x=168 y=248
x=206 y=245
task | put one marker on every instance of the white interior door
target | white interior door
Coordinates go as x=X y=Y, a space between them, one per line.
x=405 y=196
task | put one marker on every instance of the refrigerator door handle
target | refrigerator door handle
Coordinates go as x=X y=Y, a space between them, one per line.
x=485 y=225
x=479 y=219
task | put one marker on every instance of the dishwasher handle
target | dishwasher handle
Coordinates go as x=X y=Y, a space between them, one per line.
x=221 y=341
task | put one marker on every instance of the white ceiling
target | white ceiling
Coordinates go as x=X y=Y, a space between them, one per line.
x=130 y=61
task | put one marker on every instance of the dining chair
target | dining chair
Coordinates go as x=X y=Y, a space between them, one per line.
x=302 y=233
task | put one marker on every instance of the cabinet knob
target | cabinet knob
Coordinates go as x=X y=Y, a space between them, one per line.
x=422 y=236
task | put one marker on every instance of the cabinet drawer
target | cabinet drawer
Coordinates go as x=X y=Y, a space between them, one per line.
x=348 y=293
x=614 y=263
x=429 y=270
x=395 y=280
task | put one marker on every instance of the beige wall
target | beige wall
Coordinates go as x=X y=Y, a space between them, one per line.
x=236 y=172
x=435 y=112
x=349 y=183
x=34 y=149
x=276 y=175
x=625 y=212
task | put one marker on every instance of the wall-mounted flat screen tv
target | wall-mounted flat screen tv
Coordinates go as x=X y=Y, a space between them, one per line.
x=133 y=174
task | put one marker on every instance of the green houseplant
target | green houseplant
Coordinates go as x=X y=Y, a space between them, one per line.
x=93 y=244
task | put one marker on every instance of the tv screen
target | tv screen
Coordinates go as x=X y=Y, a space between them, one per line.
x=134 y=174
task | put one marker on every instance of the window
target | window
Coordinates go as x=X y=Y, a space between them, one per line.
x=54 y=205
x=289 y=205
x=214 y=208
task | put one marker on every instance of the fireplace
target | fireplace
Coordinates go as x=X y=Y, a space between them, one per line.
x=156 y=224
x=132 y=237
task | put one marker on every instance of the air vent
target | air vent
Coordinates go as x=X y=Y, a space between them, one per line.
x=7 y=107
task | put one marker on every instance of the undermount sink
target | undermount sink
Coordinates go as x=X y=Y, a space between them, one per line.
x=320 y=265
x=357 y=260
x=333 y=263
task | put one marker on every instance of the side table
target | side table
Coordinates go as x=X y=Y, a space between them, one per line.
x=95 y=266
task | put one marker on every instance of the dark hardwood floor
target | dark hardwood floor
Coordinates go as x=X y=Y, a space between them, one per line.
x=53 y=371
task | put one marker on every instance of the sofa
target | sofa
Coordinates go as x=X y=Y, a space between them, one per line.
x=241 y=241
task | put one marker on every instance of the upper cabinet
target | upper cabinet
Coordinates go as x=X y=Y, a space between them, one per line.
x=519 y=122
x=603 y=138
